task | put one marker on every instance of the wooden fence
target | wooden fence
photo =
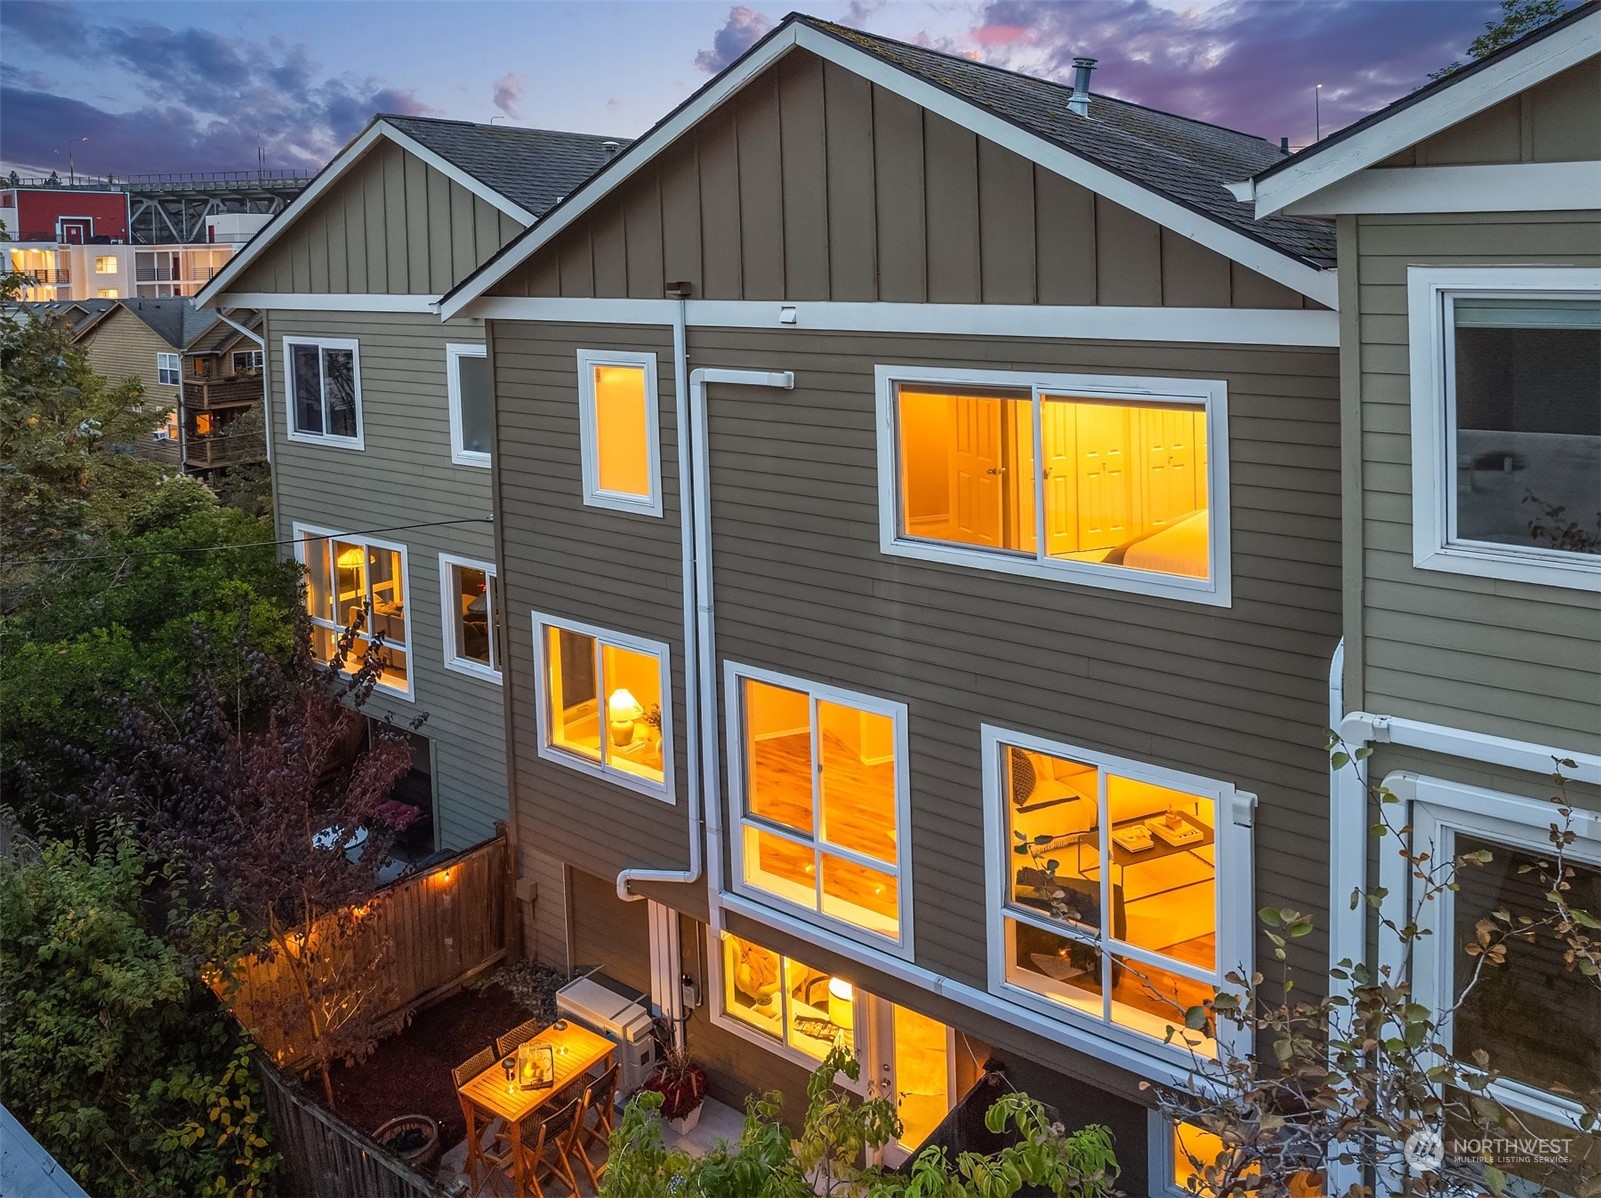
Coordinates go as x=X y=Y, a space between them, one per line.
x=442 y=926
x=326 y=1157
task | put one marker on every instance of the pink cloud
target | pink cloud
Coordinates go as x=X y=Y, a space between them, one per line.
x=508 y=92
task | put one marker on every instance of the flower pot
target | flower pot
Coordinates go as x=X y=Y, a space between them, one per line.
x=419 y=1131
x=683 y=1126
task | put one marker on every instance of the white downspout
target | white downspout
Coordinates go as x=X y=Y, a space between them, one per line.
x=688 y=528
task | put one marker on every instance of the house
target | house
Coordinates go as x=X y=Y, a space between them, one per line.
x=901 y=462
x=146 y=339
x=222 y=381
x=380 y=434
x=65 y=215
x=1469 y=224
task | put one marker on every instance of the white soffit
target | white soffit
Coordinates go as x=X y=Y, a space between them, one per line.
x=1449 y=106
x=1300 y=277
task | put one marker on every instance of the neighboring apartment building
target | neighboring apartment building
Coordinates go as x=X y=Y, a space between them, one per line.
x=380 y=418
x=897 y=457
x=1469 y=219
x=224 y=378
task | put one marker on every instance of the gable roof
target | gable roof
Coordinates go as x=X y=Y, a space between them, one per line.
x=176 y=321
x=1167 y=168
x=1447 y=101
x=522 y=172
x=225 y=335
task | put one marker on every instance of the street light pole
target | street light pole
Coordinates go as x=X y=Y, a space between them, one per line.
x=72 y=173
x=1317 y=113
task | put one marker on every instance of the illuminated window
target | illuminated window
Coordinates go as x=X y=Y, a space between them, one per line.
x=1113 y=898
x=358 y=586
x=472 y=404
x=467 y=598
x=1098 y=480
x=819 y=796
x=617 y=408
x=107 y=293
x=1189 y=1160
x=787 y=1002
x=323 y=390
x=605 y=704
x=168 y=370
x=1506 y=423
x=105 y=264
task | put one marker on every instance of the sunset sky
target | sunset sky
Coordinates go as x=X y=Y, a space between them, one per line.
x=191 y=86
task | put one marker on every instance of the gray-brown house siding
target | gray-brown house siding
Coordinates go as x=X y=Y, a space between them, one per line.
x=121 y=347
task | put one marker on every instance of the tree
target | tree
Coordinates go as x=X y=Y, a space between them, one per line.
x=1517 y=18
x=838 y=1128
x=117 y=1060
x=274 y=833
x=247 y=483
x=1356 y=1079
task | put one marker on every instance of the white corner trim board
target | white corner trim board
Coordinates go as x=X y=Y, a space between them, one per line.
x=329 y=302
x=1296 y=327
x=1455 y=102
x=1498 y=187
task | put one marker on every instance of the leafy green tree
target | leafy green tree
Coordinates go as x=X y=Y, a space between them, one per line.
x=838 y=1130
x=114 y=1057
x=1517 y=18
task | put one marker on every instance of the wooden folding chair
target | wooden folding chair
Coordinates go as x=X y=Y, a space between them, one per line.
x=493 y=1145
x=507 y=1044
x=547 y=1148
x=600 y=1097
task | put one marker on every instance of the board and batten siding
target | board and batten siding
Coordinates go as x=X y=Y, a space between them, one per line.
x=814 y=184
x=1555 y=121
x=124 y=347
x=616 y=570
x=392 y=226
x=1499 y=657
x=405 y=476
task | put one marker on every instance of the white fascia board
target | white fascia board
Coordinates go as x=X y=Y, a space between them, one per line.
x=335 y=171
x=334 y=301
x=1449 y=106
x=1499 y=187
x=630 y=162
x=1228 y=326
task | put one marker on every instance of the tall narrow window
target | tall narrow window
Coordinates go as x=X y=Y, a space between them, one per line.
x=1109 y=482
x=323 y=388
x=472 y=625
x=358 y=586
x=168 y=370
x=472 y=404
x=819 y=789
x=618 y=424
x=605 y=704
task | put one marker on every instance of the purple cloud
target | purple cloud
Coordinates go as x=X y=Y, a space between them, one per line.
x=508 y=93
x=217 y=95
x=743 y=29
x=1248 y=64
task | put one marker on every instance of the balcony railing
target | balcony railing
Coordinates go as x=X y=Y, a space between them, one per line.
x=46 y=277
x=153 y=274
x=200 y=395
x=222 y=449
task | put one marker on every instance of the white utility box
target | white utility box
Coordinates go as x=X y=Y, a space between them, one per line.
x=623 y=1021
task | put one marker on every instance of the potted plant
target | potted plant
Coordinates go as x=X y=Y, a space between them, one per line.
x=682 y=1085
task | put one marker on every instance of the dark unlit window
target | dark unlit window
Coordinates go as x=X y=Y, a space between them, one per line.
x=472 y=411
x=325 y=391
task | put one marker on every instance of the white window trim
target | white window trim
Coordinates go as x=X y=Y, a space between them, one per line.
x=1437 y=809
x=300 y=531
x=253 y=358
x=169 y=364
x=1233 y=889
x=866 y=1028
x=359 y=441
x=588 y=359
x=448 y=609
x=1212 y=395
x=1160 y=1157
x=454 y=353
x=662 y=790
x=733 y=674
x=1430 y=338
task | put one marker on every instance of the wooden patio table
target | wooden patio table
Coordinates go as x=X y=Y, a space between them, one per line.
x=576 y=1050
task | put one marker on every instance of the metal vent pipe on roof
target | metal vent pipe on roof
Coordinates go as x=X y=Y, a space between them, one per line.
x=1079 y=101
x=611 y=147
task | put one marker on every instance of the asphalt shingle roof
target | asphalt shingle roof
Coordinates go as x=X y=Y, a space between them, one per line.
x=1187 y=161
x=533 y=168
x=175 y=321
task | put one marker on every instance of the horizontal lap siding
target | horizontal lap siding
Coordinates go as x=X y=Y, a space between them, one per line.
x=1503 y=658
x=125 y=347
x=813 y=184
x=405 y=476
x=613 y=569
x=1238 y=694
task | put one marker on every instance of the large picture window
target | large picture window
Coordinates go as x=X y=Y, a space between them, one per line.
x=1104 y=481
x=605 y=704
x=323 y=385
x=472 y=404
x=786 y=1002
x=472 y=625
x=358 y=585
x=1112 y=894
x=1507 y=422
x=618 y=423
x=819 y=792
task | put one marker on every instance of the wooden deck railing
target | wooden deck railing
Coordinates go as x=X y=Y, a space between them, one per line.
x=202 y=396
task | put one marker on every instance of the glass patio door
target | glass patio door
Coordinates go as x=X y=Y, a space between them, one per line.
x=916 y=1068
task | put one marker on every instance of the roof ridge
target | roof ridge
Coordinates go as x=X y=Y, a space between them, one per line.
x=440 y=120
